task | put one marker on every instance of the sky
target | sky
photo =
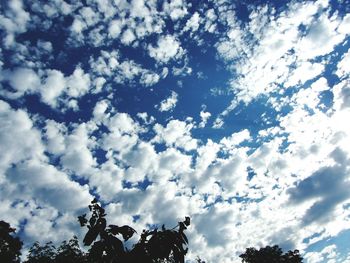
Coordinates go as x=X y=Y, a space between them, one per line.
x=235 y=113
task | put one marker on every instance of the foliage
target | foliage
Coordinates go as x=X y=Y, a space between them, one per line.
x=270 y=254
x=67 y=252
x=164 y=245
x=70 y=252
x=10 y=246
x=41 y=254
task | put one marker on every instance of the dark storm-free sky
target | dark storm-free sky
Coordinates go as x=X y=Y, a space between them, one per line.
x=235 y=113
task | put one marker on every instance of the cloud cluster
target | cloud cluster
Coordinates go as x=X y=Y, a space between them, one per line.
x=88 y=114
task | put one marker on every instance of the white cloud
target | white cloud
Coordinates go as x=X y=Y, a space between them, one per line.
x=52 y=88
x=14 y=21
x=193 y=23
x=77 y=156
x=78 y=26
x=50 y=84
x=320 y=39
x=100 y=110
x=22 y=80
x=168 y=47
x=169 y=103
x=89 y=16
x=303 y=72
x=49 y=185
x=54 y=134
x=205 y=115
x=329 y=254
x=343 y=27
x=343 y=68
x=175 y=9
x=342 y=95
x=149 y=79
x=176 y=133
x=31 y=188
x=123 y=124
x=267 y=65
x=78 y=83
x=18 y=136
x=235 y=139
x=115 y=28
x=128 y=37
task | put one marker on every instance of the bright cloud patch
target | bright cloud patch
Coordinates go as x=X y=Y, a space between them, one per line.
x=167 y=48
x=169 y=103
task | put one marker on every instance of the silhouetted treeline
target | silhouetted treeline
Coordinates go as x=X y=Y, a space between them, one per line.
x=158 y=245
x=107 y=245
x=270 y=254
x=10 y=246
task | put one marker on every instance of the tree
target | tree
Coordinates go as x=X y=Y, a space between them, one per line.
x=41 y=254
x=67 y=252
x=270 y=254
x=10 y=246
x=70 y=252
x=164 y=245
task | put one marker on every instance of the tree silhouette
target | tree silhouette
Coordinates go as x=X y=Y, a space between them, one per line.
x=270 y=254
x=67 y=252
x=70 y=252
x=10 y=246
x=154 y=246
x=164 y=245
x=41 y=254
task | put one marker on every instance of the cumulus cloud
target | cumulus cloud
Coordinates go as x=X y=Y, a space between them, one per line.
x=205 y=115
x=77 y=156
x=343 y=69
x=28 y=182
x=280 y=58
x=18 y=136
x=175 y=133
x=52 y=88
x=22 y=80
x=175 y=9
x=169 y=103
x=193 y=23
x=327 y=186
x=14 y=21
x=329 y=254
x=51 y=85
x=168 y=47
x=49 y=185
x=78 y=83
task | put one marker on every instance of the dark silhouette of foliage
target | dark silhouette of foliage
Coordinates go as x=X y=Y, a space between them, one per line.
x=154 y=246
x=41 y=254
x=270 y=254
x=70 y=252
x=10 y=246
x=164 y=245
x=67 y=252
x=199 y=260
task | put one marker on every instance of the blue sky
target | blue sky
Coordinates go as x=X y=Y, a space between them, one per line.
x=232 y=112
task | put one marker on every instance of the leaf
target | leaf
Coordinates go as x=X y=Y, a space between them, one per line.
x=184 y=238
x=82 y=220
x=92 y=220
x=91 y=235
x=187 y=221
x=94 y=231
x=126 y=231
x=115 y=246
